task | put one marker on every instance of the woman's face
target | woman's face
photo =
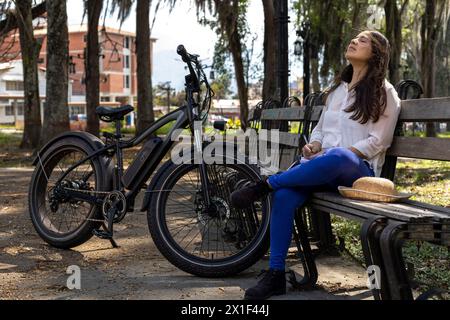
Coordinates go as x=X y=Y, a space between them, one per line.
x=359 y=49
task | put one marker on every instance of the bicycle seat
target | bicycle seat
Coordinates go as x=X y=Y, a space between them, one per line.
x=109 y=114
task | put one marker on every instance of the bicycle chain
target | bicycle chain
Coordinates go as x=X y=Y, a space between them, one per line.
x=89 y=191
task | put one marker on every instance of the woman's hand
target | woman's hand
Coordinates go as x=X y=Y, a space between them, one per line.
x=311 y=149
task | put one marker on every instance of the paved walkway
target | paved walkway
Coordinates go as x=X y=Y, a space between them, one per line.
x=30 y=269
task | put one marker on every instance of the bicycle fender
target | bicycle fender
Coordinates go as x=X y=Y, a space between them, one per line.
x=93 y=141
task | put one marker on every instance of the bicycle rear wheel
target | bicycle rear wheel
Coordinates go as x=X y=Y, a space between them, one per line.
x=209 y=242
x=59 y=220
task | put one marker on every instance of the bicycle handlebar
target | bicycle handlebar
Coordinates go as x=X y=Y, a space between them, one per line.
x=196 y=78
x=188 y=58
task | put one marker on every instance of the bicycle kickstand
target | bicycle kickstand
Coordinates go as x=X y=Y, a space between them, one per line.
x=108 y=229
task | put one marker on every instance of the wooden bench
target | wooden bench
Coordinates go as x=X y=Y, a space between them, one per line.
x=385 y=225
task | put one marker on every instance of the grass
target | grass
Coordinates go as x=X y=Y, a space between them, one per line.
x=10 y=154
x=421 y=134
x=8 y=140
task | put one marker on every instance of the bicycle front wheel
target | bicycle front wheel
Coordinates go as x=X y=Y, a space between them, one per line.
x=217 y=241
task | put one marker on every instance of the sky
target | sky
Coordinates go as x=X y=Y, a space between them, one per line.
x=180 y=27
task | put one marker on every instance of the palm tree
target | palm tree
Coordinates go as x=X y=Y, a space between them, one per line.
x=145 y=114
x=227 y=15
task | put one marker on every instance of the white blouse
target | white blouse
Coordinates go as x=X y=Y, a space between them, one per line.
x=336 y=129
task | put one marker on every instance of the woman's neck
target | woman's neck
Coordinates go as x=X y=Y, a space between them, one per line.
x=359 y=70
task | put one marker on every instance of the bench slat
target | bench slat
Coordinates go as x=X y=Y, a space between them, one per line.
x=285 y=138
x=397 y=211
x=426 y=109
x=293 y=114
x=421 y=148
x=343 y=211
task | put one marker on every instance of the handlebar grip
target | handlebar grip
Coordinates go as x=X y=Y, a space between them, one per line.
x=181 y=50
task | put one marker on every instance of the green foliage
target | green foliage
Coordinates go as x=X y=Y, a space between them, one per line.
x=221 y=86
x=222 y=60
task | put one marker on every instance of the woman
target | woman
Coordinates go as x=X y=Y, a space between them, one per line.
x=349 y=141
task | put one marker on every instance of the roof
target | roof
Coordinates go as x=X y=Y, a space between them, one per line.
x=77 y=28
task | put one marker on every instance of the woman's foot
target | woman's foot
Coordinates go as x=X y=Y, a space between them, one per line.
x=244 y=197
x=272 y=284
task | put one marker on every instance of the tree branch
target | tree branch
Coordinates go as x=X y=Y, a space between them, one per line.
x=10 y=22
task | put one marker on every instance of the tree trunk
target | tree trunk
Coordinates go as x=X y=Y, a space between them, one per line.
x=394 y=35
x=236 y=52
x=92 y=67
x=314 y=64
x=56 y=114
x=429 y=35
x=270 y=77
x=30 y=49
x=145 y=115
x=228 y=16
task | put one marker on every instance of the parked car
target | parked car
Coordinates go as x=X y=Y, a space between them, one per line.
x=78 y=122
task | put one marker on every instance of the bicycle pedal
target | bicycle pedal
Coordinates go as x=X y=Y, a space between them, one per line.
x=102 y=234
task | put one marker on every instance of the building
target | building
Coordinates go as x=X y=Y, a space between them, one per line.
x=117 y=57
x=229 y=108
x=11 y=92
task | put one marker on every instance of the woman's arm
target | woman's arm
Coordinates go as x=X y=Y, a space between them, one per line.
x=381 y=133
x=316 y=134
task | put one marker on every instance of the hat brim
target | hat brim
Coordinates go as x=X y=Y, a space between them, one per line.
x=374 y=196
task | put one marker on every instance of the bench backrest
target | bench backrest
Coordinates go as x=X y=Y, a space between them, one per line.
x=417 y=110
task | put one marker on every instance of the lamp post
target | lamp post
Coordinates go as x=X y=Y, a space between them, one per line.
x=168 y=89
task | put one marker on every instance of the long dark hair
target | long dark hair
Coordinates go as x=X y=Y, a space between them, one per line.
x=370 y=93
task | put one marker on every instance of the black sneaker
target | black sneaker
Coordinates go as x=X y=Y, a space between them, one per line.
x=272 y=284
x=244 y=197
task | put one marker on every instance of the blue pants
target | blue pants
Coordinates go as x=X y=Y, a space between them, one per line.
x=335 y=167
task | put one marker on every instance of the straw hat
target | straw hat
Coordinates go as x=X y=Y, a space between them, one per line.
x=374 y=189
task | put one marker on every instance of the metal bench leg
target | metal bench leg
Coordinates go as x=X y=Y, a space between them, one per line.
x=323 y=232
x=310 y=276
x=370 y=235
x=391 y=243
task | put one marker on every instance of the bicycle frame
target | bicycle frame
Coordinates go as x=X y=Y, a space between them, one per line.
x=181 y=118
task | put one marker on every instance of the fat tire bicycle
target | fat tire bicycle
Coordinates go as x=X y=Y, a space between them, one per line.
x=80 y=189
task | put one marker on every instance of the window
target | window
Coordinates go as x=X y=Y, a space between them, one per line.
x=126 y=62
x=126 y=83
x=105 y=99
x=19 y=107
x=14 y=85
x=126 y=42
x=9 y=111
x=74 y=110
